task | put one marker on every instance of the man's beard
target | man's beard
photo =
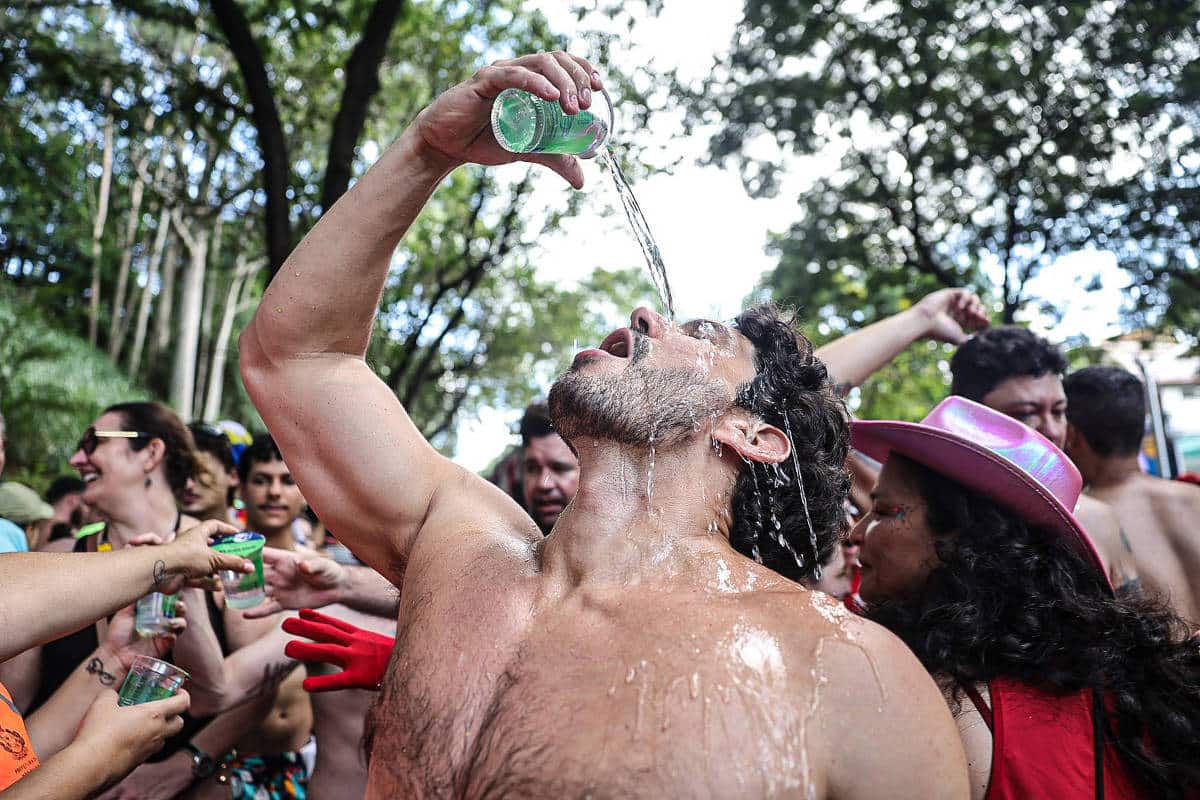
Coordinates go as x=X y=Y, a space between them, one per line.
x=638 y=406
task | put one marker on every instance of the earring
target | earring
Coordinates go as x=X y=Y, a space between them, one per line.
x=147 y=481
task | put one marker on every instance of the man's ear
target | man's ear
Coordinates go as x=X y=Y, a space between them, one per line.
x=1073 y=442
x=753 y=439
x=234 y=480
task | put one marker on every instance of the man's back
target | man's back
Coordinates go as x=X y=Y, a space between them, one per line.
x=749 y=686
x=1162 y=521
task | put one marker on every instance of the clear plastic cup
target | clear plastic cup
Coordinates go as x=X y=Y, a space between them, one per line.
x=150 y=679
x=525 y=123
x=153 y=614
x=242 y=590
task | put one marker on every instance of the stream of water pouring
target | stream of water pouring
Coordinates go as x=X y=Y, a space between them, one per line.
x=641 y=231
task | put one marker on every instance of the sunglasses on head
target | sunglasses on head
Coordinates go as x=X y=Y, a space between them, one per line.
x=91 y=438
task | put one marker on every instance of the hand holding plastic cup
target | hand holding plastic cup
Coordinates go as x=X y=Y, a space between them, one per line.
x=153 y=614
x=150 y=679
x=525 y=123
x=242 y=590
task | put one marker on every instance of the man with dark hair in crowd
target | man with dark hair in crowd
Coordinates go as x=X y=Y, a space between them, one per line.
x=1017 y=372
x=549 y=470
x=1106 y=415
x=658 y=624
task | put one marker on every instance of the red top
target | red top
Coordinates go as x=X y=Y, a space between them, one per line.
x=1043 y=745
x=17 y=758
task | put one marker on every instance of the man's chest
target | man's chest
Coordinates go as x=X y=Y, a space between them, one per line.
x=587 y=706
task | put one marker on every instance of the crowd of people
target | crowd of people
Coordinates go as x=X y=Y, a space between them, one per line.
x=697 y=577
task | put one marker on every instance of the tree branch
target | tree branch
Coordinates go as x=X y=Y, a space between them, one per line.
x=362 y=84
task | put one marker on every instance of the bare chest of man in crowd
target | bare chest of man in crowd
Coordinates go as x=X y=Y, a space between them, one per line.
x=502 y=688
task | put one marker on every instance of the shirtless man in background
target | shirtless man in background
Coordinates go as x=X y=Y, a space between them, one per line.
x=638 y=650
x=1106 y=412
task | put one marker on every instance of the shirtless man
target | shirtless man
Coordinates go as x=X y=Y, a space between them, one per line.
x=1106 y=415
x=632 y=652
x=1017 y=372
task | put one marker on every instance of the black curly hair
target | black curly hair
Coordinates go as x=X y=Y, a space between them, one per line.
x=791 y=527
x=262 y=450
x=179 y=459
x=1108 y=406
x=994 y=355
x=1021 y=602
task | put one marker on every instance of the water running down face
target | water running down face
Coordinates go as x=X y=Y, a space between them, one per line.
x=651 y=383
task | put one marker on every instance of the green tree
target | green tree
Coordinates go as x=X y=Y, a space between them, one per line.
x=975 y=142
x=242 y=121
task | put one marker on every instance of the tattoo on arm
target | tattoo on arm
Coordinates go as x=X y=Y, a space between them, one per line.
x=160 y=572
x=1124 y=539
x=96 y=667
x=1131 y=587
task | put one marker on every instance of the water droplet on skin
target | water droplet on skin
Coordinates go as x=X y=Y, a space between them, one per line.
x=630 y=675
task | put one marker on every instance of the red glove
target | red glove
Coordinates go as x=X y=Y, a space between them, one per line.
x=362 y=655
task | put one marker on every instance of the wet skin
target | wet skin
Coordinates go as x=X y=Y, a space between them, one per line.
x=578 y=670
x=511 y=641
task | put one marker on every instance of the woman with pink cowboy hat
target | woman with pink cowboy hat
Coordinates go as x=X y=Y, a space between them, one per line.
x=970 y=553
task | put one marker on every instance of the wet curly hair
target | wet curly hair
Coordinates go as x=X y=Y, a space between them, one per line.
x=1021 y=602
x=771 y=510
x=160 y=422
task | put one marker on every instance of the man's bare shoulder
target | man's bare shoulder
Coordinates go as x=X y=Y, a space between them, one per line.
x=1094 y=512
x=881 y=717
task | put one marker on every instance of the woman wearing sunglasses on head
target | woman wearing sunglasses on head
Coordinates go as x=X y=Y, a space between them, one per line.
x=970 y=553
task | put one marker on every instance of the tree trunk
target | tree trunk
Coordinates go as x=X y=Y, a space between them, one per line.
x=271 y=142
x=242 y=276
x=166 y=301
x=206 y=317
x=99 y=220
x=183 y=376
x=156 y=256
x=362 y=84
x=118 y=324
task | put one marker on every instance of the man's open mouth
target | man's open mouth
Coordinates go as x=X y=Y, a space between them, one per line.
x=619 y=343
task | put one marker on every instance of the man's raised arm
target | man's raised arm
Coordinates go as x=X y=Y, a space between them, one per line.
x=361 y=462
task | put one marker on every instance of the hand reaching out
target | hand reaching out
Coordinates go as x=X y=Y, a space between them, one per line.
x=296 y=580
x=187 y=559
x=362 y=655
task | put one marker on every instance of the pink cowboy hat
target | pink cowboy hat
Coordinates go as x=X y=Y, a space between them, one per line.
x=992 y=454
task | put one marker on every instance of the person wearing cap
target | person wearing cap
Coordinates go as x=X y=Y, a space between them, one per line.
x=23 y=509
x=972 y=555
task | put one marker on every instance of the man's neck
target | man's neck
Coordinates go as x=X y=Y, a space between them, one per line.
x=1109 y=473
x=642 y=515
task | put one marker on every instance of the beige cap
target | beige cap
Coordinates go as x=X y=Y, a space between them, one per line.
x=20 y=504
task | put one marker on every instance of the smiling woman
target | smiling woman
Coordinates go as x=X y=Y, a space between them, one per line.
x=135 y=460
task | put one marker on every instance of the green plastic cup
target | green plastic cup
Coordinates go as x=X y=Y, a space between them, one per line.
x=525 y=123
x=242 y=590
x=153 y=614
x=150 y=679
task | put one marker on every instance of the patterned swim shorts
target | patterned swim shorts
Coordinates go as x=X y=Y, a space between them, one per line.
x=277 y=777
